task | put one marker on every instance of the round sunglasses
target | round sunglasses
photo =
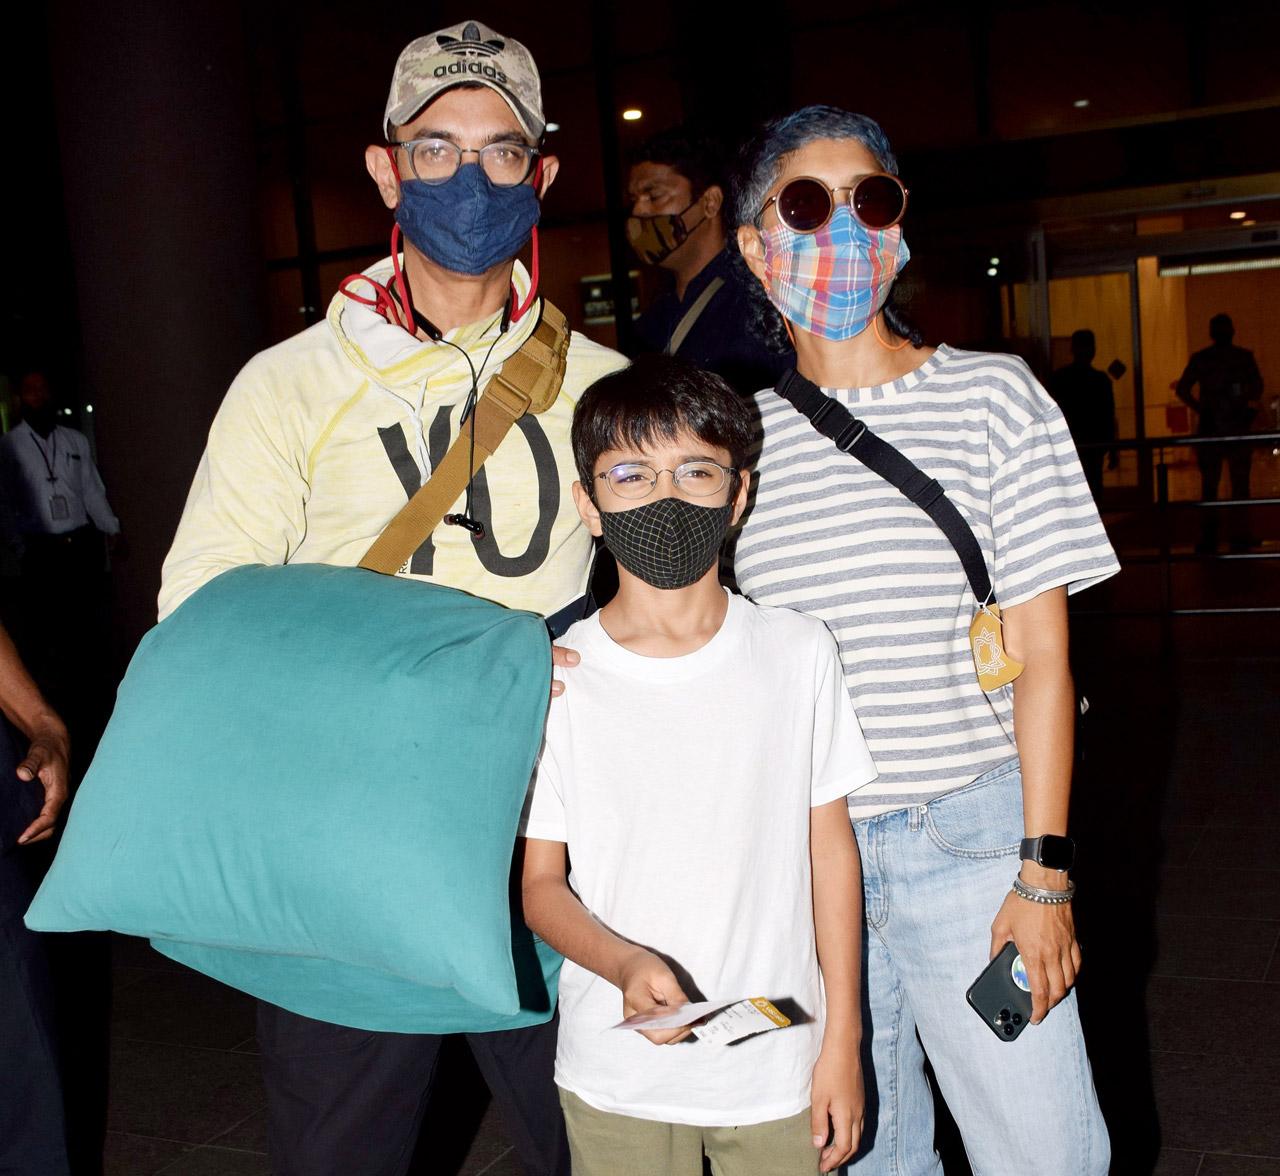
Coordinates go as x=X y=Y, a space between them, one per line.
x=805 y=204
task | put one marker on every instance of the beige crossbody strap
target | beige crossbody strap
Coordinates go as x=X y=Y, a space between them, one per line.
x=691 y=316
x=528 y=381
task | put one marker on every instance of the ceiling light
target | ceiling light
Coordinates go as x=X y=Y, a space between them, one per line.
x=1244 y=224
x=632 y=114
x=551 y=127
x=88 y=408
x=1080 y=103
x=991 y=273
x=1196 y=269
x=1239 y=214
x=994 y=261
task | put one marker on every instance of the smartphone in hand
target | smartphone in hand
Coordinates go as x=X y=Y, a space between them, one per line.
x=1001 y=995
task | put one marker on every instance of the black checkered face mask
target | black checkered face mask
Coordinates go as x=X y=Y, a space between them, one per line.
x=669 y=543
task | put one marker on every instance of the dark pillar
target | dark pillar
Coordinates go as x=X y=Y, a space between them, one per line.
x=153 y=117
x=621 y=259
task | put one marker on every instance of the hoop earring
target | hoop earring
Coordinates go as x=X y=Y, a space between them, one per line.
x=875 y=326
x=786 y=322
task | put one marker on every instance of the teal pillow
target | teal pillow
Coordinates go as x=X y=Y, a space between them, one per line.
x=310 y=789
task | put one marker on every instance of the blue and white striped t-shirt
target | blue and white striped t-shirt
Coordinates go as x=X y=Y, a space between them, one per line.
x=824 y=535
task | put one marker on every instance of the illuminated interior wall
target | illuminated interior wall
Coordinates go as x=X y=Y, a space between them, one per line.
x=568 y=255
x=1015 y=308
x=1162 y=307
x=1175 y=322
x=1252 y=299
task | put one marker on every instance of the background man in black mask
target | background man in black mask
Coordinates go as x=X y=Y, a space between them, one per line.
x=677 y=189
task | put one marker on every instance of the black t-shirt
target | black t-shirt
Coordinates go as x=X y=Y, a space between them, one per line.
x=1087 y=401
x=1229 y=379
x=721 y=340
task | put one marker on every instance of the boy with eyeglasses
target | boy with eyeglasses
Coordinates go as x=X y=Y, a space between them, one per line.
x=695 y=772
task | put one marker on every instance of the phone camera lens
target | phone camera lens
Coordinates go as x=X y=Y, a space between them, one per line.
x=1017 y=1018
x=1008 y=1030
x=1002 y=1016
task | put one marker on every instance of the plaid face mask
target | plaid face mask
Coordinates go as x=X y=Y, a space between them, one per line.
x=832 y=282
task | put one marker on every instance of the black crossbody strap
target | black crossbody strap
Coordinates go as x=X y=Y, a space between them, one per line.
x=851 y=435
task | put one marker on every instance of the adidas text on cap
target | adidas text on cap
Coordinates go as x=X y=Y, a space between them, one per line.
x=468 y=52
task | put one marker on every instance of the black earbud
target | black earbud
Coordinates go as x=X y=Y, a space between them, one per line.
x=475 y=526
x=467 y=521
x=427 y=327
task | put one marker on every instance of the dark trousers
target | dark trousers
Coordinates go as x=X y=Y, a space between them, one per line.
x=1238 y=459
x=63 y=629
x=32 y=1134
x=343 y=1101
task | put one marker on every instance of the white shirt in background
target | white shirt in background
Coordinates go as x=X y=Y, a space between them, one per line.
x=36 y=470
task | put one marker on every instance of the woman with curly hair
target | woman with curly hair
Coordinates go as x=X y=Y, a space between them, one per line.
x=954 y=647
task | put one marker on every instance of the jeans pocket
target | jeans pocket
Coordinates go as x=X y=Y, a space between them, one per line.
x=981 y=820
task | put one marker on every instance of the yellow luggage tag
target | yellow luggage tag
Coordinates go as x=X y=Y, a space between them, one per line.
x=995 y=667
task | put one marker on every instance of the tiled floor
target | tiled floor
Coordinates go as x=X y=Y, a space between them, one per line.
x=1182 y=922
x=186 y=1098
x=1178 y=815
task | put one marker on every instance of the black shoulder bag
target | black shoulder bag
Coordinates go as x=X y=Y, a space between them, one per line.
x=994 y=667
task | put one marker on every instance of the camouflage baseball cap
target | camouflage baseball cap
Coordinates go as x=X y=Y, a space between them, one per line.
x=469 y=52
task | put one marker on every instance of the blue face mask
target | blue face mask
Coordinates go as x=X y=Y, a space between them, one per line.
x=467 y=224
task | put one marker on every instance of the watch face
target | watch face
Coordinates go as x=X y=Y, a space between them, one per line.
x=1057 y=853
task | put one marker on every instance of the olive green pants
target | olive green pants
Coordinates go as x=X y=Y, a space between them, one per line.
x=604 y=1144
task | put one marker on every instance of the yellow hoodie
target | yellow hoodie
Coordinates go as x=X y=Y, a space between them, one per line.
x=321 y=439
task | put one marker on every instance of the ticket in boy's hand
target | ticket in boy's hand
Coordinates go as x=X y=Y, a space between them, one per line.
x=675 y=1016
x=741 y=1019
x=726 y=1021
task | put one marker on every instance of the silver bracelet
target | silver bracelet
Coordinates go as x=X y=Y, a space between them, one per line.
x=1049 y=897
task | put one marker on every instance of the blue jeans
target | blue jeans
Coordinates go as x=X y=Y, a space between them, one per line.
x=935 y=875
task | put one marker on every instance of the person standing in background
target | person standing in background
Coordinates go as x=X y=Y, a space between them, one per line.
x=33 y=789
x=964 y=835
x=676 y=190
x=53 y=487
x=1088 y=401
x=1230 y=388
x=56 y=518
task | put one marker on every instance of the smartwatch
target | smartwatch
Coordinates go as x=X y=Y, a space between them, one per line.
x=1050 y=851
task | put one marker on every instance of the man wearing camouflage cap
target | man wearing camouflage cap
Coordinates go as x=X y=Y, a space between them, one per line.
x=318 y=444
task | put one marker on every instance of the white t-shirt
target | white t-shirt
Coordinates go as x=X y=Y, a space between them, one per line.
x=682 y=788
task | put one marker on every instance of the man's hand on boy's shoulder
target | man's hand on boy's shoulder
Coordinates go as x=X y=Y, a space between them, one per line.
x=647 y=983
x=562 y=658
x=838 y=1103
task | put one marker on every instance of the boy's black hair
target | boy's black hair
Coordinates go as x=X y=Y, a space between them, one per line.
x=657 y=396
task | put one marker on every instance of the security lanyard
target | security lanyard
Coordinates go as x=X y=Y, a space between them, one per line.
x=51 y=458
